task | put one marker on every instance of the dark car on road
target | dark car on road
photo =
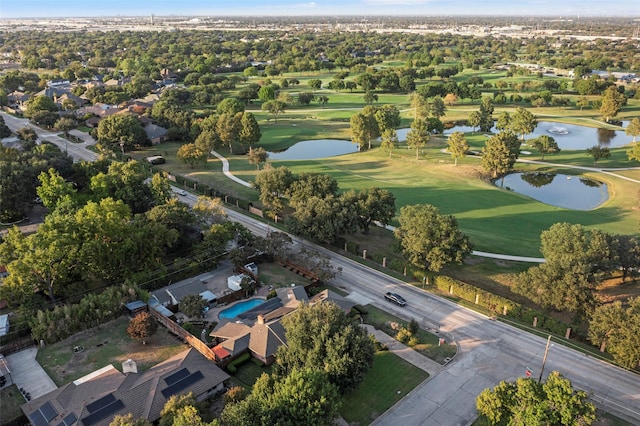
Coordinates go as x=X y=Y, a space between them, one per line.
x=395 y=298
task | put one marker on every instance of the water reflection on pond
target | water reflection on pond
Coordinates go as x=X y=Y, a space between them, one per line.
x=320 y=148
x=570 y=192
x=567 y=136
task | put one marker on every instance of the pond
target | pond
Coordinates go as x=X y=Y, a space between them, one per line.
x=569 y=192
x=567 y=136
x=313 y=149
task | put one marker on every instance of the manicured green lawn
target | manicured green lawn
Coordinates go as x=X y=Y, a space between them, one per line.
x=390 y=379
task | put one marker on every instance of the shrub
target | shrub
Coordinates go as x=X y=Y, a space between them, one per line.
x=272 y=294
x=413 y=326
x=413 y=340
x=403 y=335
x=233 y=365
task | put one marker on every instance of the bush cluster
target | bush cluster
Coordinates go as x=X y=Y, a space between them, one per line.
x=495 y=303
x=93 y=309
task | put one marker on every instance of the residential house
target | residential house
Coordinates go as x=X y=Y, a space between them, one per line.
x=171 y=295
x=262 y=340
x=95 y=399
x=166 y=73
x=17 y=98
x=155 y=133
x=259 y=330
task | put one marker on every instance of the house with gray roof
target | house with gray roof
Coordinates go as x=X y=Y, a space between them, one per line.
x=97 y=398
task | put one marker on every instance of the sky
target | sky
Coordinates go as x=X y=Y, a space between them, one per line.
x=84 y=8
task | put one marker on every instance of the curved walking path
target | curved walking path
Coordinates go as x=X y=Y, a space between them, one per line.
x=227 y=173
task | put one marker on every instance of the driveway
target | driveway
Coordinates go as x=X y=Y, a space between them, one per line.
x=27 y=373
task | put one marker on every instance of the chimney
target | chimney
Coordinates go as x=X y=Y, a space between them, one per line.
x=260 y=319
x=129 y=366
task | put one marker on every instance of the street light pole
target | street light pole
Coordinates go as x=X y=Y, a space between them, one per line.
x=544 y=360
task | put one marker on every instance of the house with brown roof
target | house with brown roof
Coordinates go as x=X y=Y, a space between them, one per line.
x=94 y=400
x=259 y=330
x=262 y=340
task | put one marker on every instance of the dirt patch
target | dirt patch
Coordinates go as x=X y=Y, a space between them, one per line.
x=105 y=345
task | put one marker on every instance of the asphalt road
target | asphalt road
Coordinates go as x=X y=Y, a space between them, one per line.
x=489 y=351
x=76 y=150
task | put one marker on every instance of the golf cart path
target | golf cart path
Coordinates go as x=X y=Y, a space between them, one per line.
x=227 y=172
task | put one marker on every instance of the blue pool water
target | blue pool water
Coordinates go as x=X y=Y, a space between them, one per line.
x=239 y=308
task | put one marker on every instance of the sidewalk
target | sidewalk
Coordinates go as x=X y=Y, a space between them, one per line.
x=28 y=374
x=405 y=352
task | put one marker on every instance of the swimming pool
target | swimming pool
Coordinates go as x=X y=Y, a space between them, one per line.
x=239 y=308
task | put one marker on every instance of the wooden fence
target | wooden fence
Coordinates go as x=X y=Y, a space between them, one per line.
x=189 y=338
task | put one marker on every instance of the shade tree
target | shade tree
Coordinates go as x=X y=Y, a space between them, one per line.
x=322 y=337
x=527 y=402
x=545 y=145
x=457 y=146
x=429 y=239
x=418 y=136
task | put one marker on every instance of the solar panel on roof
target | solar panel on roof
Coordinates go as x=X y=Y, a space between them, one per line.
x=69 y=420
x=48 y=412
x=37 y=419
x=182 y=384
x=103 y=413
x=100 y=403
x=176 y=377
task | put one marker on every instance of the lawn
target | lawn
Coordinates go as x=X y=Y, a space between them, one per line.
x=10 y=401
x=390 y=379
x=248 y=373
x=274 y=274
x=428 y=345
x=104 y=345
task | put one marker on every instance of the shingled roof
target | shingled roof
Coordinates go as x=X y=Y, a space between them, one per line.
x=97 y=398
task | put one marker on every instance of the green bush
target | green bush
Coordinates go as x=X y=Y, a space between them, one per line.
x=272 y=294
x=93 y=309
x=497 y=303
x=233 y=365
x=403 y=335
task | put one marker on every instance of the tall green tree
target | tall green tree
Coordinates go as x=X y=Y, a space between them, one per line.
x=486 y=114
x=257 y=156
x=418 y=136
x=429 y=239
x=388 y=117
x=474 y=120
x=250 y=133
x=303 y=397
x=65 y=124
x=458 y=146
x=616 y=328
x=389 y=140
x=273 y=184
x=522 y=122
x=373 y=205
x=500 y=153
x=437 y=108
x=322 y=337
x=39 y=103
x=364 y=129
x=275 y=108
x=598 y=152
x=191 y=155
x=122 y=129
x=612 y=102
x=633 y=153
x=307 y=185
x=526 y=402
x=228 y=128
x=419 y=104
x=574 y=259
x=546 y=145
x=633 y=128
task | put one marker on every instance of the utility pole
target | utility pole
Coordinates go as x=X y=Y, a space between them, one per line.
x=544 y=360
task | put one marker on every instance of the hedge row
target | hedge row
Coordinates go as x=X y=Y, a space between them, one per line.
x=233 y=365
x=498 y=304
x=93 y=309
